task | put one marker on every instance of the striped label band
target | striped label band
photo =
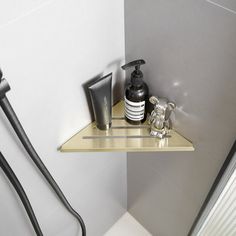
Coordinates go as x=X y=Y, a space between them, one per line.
x=134 y=110
x=134 y=104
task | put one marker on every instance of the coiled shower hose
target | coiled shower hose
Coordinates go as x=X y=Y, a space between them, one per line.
x=21 y=193
x=9 y=112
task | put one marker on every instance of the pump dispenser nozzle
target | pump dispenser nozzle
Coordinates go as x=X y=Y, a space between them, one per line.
x=136 y=75
x=136 y=63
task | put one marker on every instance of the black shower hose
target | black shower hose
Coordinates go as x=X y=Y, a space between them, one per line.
x=21 y=193
x=9 y=112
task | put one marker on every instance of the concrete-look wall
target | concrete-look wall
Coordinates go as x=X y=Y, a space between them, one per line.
x=48 y=49
x=190 y=50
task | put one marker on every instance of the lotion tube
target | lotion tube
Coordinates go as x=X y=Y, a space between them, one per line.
x=101 y=98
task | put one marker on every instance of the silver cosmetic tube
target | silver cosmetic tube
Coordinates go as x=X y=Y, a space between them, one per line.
x=101 y=98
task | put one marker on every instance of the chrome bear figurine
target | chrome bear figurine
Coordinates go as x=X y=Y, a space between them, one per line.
x=159 y=120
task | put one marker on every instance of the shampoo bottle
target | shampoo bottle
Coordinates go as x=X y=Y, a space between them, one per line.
x=136 y=95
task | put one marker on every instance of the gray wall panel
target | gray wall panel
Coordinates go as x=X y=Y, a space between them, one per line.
x=190 y=49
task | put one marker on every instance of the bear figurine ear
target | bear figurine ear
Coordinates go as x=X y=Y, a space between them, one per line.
x=171 y=106
x=154 y=100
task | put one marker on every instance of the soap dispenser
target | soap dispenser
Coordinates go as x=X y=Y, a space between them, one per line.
x=136 y=94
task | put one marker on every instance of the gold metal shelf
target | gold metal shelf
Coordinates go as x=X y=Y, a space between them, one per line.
x=123 y=137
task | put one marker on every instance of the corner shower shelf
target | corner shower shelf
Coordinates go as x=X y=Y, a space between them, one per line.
x=123 y=137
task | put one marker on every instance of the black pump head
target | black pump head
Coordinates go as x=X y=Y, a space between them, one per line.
x=136 y=75
x=136 y=63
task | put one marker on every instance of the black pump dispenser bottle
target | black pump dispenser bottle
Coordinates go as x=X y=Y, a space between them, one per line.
x=136 y=95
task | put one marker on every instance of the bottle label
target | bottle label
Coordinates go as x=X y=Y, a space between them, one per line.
x=134 y=110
